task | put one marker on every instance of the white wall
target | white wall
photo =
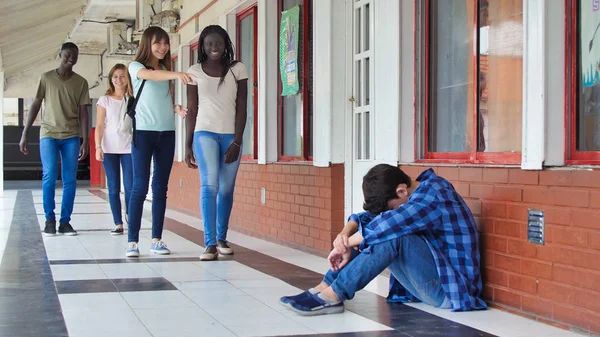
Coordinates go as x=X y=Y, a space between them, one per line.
x=11 y=111
x=25 y=85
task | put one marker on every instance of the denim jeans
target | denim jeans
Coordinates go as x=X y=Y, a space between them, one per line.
x=68 y=149
x=217 y=181
x=159 y=145
x=113 y=163
x=409 y=260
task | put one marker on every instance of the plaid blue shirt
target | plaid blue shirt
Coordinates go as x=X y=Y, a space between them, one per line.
x=436 y=212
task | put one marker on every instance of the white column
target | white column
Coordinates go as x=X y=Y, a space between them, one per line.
x=534 y=84
x=386 y=80
x=268 y=66
x=1 y=132
x=183 y=63
x=407 y=81
x=322 y=83
x=555 y=86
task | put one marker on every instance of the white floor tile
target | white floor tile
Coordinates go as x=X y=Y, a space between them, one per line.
x=207 y=286
x=79 y=199
x=7 y=203
x=231 y=270
x=79 y=209
x=261 y=284
x=181 y=322
x=182 y=272
x=68 y=254
x=264 y=328
x=157 y=300
x=97 y=301
x=345 y=322
x=109 y=250
x=221 y=301
x=77 y=272
x=99 y=323
x=128 y=270
x=59 y=191
x=271 y=296
x=6 y=217
x=495 y=321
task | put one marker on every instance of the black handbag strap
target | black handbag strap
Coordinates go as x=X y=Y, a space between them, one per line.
x=135 y=101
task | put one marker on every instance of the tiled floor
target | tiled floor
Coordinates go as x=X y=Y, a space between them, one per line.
x=84 y=285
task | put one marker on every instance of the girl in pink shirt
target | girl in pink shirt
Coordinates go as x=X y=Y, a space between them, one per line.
x=113 y=146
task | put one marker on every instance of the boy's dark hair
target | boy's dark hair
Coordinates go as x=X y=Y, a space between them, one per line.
x=379 y=187
x=68 y=45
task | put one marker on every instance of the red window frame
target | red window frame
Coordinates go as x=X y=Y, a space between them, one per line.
x=572 y=155
x=253 y=86
x=306 y=100
x=472 y=157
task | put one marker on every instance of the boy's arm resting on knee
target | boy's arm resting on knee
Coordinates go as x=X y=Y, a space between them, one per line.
x=341 y=240
x=350 y=228
x=355 y=240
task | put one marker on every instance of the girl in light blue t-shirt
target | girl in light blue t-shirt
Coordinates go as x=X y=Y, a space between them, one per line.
x=154 y=135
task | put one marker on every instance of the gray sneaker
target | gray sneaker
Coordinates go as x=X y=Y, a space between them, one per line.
x=66 y=229
x=50 y=229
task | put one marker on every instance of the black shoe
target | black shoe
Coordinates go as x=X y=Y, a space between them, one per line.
x=224 y=248
x=210 y=253
x=117 y=231
x=50 y=229
x=66 y=229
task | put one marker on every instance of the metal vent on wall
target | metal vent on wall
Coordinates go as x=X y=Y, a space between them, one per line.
x=535 y=226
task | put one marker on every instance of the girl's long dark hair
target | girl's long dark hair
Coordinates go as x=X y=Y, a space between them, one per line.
x=145 y=50
x=228 y=60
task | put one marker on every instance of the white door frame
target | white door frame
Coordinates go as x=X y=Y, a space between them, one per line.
x=354 y=90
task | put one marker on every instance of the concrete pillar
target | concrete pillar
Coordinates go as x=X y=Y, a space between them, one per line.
x=1 y=133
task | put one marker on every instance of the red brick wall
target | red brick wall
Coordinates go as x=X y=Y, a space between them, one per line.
x=304 y=204
x=557 y=283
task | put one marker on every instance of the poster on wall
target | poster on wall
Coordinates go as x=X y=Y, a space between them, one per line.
x=590 y=42
x=288 y=51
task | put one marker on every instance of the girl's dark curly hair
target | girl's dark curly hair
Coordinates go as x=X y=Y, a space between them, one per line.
x=379 y=187
x=228 y=60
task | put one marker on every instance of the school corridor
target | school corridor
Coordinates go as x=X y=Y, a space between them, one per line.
x=84 y=286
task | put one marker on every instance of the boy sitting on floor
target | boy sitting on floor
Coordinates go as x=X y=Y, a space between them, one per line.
x=421 y=230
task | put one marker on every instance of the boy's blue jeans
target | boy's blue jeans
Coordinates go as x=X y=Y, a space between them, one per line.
x=50 y=149
x=409 y=260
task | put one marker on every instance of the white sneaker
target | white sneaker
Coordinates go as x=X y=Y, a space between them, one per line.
x=133 y=250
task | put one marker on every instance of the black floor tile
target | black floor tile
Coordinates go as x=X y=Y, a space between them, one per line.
x=85 y=286
x=384 y=333
x=136 y=260
x=143 y=284
x=114 y=285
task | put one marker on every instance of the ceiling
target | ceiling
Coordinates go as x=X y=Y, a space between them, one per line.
x=32 y=31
